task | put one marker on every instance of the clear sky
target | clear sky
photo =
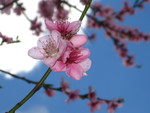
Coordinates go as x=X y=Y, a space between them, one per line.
x=107 y=76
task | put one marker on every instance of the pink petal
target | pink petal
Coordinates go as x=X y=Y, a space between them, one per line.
x=50 y=25
x=74 y=71
x=74 y=27
x=55 y=35
x=66 y=54
x=35 y=53
x=42 y=41
x=84 y=54
x=50 y=62
x=59 y=67
x=86 y=64
x=78 y=40
x=62 y=46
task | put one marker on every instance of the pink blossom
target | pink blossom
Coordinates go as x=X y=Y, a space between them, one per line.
x=75 y=62
x=128 y=61
x=50 y=92
x=92 y=95
x=113 y=105
x=5 y=3
x=84 y=2
x=65 y=86
x=5 y=39
x=36 y=27
x=46 y=8
x=62 y=14
x=73 y=95
x=95 y=105
x=19 y=10
x=49 y=48
x=66 y=28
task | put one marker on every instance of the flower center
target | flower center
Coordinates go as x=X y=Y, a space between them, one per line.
x=50 y=48
x=74 y=56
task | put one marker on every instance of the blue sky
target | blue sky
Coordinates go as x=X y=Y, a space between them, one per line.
x=107 y=76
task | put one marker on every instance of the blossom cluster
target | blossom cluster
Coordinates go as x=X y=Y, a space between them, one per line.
x=6 y=6
x=95 y=102
x=53 y=10
x=62 y=50
x=105 y=17
x=5 y=39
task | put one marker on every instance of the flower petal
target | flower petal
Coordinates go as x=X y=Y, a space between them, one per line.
x=86 y=64
x=35 y=53
x=50 y=25
x=43 y=41
x=59 y=67
x=74 y=27
x=78 y=40
x=50 y=62
x=62 y=46
x=84 y=54
x=66 y=54
x=55 y=35
x=74 y=71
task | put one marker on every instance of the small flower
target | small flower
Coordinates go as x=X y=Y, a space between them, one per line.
x=19 y=10
x=92 y=95
x=50 y=92
x=128 y=61
x=66 y=28
x=113 y=105
x=46 y=8
x=62 y=14
x=73 y=95
x=7 y=8
x=5 y=39
x=84 y=2
x=65 y=86
x=95 y=105
x=49 y=48
x=36 y=27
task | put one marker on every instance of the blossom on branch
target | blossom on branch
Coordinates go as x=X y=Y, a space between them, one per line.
x=49 y=48
x=7 y=5
x=112 y=105
x=73 y=95
x=5 y=39
x=63 y=50
x=36 y=27
x=50 y=92
x=66 y=28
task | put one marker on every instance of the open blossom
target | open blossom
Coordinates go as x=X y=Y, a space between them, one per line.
x=66 y=28
x=49 y=48
x=74 y=61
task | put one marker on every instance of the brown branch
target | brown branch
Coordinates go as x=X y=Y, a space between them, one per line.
x=50 y=86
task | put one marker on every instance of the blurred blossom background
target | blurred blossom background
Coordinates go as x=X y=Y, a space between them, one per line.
x=108 y=76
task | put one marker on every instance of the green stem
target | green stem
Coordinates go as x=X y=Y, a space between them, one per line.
x=34 y=90
x=85 y=10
